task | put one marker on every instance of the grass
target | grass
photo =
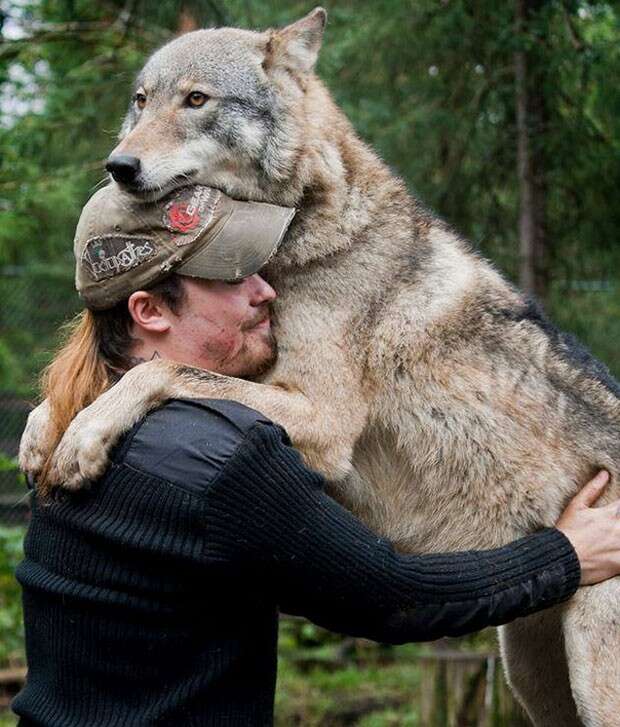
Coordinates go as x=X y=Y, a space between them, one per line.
x=354 y=695
x=375 y=687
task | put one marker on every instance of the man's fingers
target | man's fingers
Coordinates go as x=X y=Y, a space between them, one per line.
x=592 y=491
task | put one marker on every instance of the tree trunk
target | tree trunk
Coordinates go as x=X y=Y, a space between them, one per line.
x=186 y=21
x=532 y=120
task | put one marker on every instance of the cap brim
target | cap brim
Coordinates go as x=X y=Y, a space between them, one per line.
x=245 y=242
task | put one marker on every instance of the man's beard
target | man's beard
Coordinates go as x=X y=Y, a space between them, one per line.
x=257 y=366
x=252 y=364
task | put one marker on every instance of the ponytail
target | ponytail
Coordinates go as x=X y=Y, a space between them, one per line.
x=94 y=353
x=73 y=380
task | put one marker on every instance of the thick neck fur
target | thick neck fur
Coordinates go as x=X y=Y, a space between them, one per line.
x=338 y=185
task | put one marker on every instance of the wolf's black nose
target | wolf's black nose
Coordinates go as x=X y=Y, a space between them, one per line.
x=123 y=168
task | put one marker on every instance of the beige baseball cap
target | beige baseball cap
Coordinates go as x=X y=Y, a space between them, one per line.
x=123 y=244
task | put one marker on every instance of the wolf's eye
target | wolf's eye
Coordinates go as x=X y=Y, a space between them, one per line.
x=140 y=100
x=196 y=99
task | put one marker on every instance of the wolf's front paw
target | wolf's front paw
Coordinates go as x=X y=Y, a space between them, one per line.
x=82 y=455
x=36 y=445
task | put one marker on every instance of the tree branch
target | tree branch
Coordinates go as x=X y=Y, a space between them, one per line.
x=49 y=33
x=577 y=41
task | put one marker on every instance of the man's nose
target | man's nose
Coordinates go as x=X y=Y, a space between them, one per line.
x=262 y=292
x=123 y=168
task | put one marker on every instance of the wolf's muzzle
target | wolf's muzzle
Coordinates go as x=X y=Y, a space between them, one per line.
x=123 y=168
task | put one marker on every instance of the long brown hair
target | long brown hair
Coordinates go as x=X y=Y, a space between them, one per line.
x=93 y=355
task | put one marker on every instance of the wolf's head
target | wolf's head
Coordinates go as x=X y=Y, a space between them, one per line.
x=222 y=107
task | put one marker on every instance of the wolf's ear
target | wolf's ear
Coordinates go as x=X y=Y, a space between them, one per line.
x=297 y=45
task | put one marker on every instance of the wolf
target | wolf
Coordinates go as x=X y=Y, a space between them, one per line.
x=439 y=402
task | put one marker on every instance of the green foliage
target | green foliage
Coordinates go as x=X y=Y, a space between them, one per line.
x=321 y=683
x=7 y=464
x=35 y=302
x=11 y=626
x=593 y=315
x=323 y=680
x=9 y=366
x=15 y=483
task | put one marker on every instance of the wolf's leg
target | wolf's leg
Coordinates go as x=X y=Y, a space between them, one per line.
x=592 y=635
x=536 y=669
x=83 y=451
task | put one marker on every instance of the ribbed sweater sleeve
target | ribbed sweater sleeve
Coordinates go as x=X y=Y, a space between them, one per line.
x=268 y=510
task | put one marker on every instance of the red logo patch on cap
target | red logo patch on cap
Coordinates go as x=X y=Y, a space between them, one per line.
x=189 y=212
x=182 y=216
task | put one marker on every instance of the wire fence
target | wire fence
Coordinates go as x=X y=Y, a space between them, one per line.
x=34 y=302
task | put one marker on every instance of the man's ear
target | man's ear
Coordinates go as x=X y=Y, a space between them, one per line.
x=297 y=46
x=148 y=312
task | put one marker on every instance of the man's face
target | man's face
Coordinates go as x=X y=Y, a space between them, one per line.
x=224 y=327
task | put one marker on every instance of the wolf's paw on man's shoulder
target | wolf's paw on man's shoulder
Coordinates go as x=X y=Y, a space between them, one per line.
x=36 y=442
x=82 y=454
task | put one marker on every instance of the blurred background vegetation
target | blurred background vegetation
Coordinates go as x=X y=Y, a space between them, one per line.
x=503 y=117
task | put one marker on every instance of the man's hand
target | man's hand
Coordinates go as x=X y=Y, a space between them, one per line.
x=593 y=531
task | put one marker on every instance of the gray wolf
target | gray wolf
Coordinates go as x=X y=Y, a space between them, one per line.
x=444 y=408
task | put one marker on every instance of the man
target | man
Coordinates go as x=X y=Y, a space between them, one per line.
x=153 y=596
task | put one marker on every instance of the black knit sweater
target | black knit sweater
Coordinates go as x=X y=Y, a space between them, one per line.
x=152 y=598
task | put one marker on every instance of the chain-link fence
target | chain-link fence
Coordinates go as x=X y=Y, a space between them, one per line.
x=34 y=302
